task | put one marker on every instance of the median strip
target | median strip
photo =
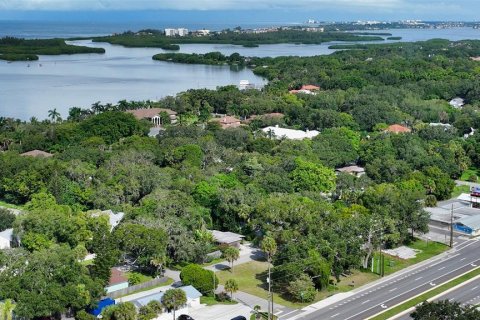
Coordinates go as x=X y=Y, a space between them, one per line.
x=427 y=295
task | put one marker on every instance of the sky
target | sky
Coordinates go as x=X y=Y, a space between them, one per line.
x=282 y=10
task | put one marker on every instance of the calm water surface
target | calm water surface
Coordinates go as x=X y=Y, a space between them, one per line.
x=32 y=88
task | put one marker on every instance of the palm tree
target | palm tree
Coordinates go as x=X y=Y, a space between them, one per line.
x=6 y=310
x=231 y=286
x=54 y=114
x=158 y=261
x=269 y=246
x=231 y=254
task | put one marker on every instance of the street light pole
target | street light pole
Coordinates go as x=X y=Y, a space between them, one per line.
x=451 y=227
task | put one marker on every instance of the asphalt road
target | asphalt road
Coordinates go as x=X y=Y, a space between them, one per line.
x=402 y=285
x=468 y=294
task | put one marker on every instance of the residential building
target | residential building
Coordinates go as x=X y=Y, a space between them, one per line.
x=114 y=219
x=228 y=238
x=170 y=32
x=181 y=32
x=202 y=32
x=469 y=225
x=227 y=122
x=457 y=102
x=6 y=238
x=193 y=299
x=153 y=115
x=37 y=154
x=118 y=281
x=306 y=89
x=396 y=128
x=353 y=170
x=282 y=133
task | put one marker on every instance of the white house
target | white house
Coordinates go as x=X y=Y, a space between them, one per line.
x=457 y=103
x=6 y=239
x=182 y=32
x=279 y=133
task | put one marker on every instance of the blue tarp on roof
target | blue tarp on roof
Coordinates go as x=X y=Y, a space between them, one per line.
x=102 y=305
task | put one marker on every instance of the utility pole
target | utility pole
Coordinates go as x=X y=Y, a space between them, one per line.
x=451 y=227
x=269 y=280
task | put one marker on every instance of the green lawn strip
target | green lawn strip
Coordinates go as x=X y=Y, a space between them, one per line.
x=468 y=173
x=142 y=277
x=425 y=296
x=427 y=251
x=458 y=190
x=9 y=205
x=210 y=301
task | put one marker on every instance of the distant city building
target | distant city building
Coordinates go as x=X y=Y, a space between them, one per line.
x=180 y=32
x=202 y=32
x=283 y=133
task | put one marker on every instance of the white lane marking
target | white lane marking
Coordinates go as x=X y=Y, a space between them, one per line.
x=365 y=301
x=383 y=306
x=474 y=288
x=392 y=289
x=463 y=259
x=418 y=278
x=335 y=315
x=441 y=268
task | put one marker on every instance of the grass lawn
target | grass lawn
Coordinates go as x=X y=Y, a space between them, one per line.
x=142 y=277
x=210 y=301
x=251 y=276
x=430 y=294
x=459 y=190
x=470 y=172
x=9 y=205
x=214 y=261
x=428 y=250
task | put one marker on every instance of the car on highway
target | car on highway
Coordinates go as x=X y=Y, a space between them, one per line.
x=239 y=318
x=184 y=317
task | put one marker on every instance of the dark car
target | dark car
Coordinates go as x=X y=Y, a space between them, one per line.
x=239 y=318
x=184 y=317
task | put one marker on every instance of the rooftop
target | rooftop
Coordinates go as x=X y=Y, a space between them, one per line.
x=7 y=234
x=226 y=237
x=117 y=277
x=190 y=292
x=396 y=128
x=352 y=169
x=472 y=222
x=292 y=134
x=150 y=112
x=226 y=120
x=37 y=153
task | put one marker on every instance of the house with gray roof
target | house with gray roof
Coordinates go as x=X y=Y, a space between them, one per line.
x=469 y=225
x=228 y=238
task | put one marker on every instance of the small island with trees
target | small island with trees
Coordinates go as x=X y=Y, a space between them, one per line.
x=16 y=49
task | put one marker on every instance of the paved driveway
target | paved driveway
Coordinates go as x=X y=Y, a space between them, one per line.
x=220 y=312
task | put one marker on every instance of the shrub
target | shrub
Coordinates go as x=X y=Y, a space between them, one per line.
x=473 y=178
x=200 y=278
x=6 y=219
x=430 y=201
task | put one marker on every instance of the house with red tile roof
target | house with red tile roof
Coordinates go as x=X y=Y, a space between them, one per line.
x=227 y=122
x=396 y=128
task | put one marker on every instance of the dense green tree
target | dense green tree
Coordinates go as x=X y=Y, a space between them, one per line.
x=308 y=176
x=444 y=310
x=203 y=280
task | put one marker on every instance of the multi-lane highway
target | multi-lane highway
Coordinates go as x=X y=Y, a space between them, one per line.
x=395 y=289
x=468 y=294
